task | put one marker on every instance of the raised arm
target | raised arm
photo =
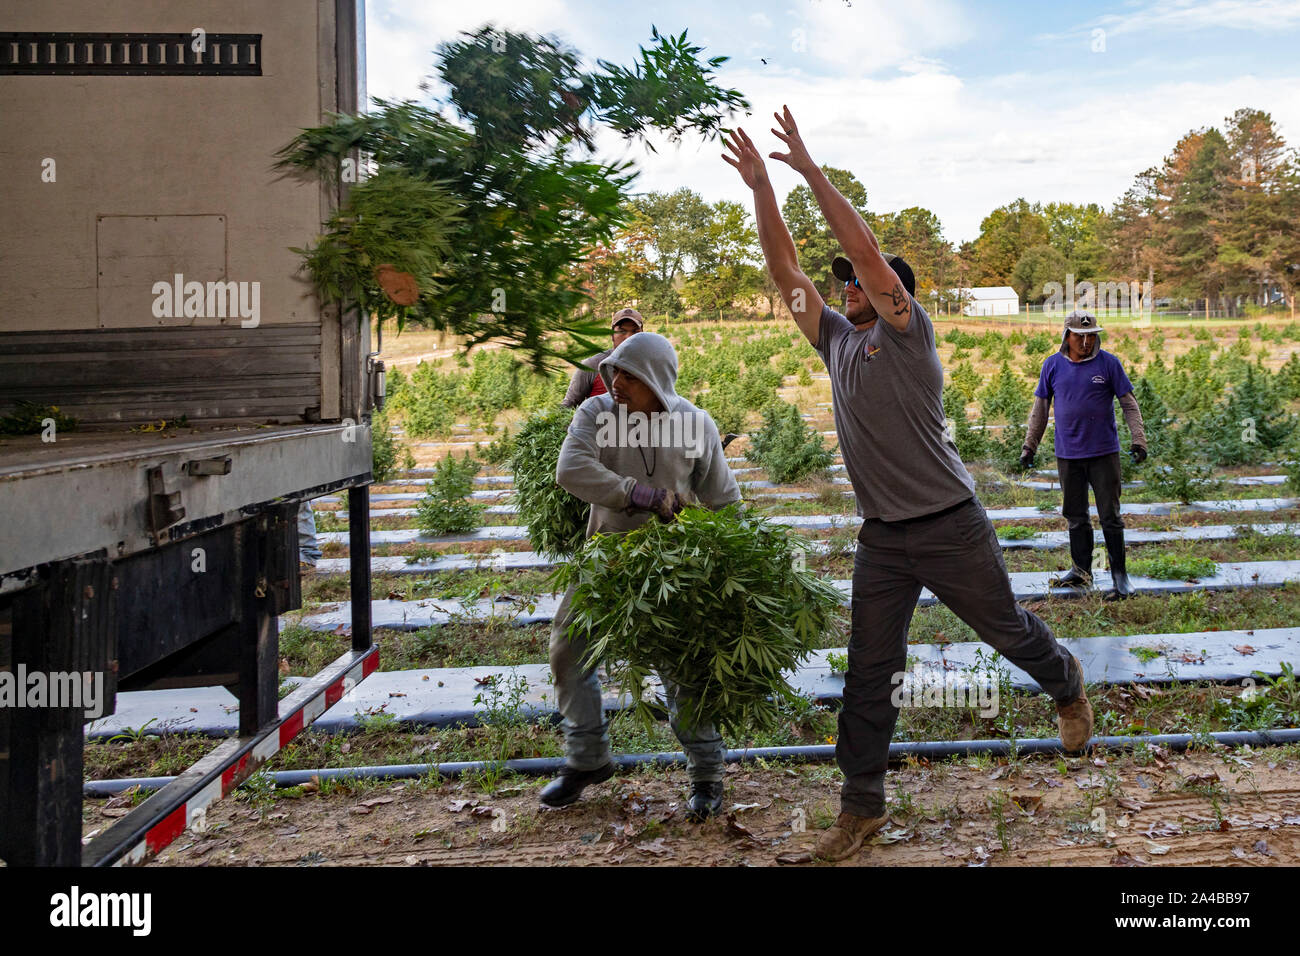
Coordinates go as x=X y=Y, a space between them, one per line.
x=798 y=291
x=879 y=281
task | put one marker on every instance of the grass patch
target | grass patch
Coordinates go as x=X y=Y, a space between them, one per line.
x=1170 y=567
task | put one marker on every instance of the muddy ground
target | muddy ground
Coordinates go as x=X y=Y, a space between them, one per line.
x=1231 y=808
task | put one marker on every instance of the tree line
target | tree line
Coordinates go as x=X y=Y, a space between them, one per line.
x=1214 y=227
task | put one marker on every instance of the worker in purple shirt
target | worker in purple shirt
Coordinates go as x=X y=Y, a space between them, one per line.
x=1085 y=380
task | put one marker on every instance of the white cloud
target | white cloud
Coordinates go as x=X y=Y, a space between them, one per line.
x=401 y=36
x=875 y=35
x=761 y=20
x=1260 y=16
x=929 y=139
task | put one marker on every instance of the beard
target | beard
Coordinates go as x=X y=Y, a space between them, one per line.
x=860 y=313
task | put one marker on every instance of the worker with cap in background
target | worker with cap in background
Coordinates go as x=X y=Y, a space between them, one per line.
x=586 y=381
x=1085 y=380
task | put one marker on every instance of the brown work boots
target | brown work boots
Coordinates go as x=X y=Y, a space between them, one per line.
x=845 y=838
x=1074 y=719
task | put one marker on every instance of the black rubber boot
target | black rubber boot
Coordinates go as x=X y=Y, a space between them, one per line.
x=1120 y=586
x=1080 y=575
x=568 y=786
x=705 y=802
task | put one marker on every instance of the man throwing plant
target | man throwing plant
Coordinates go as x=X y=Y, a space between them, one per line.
x=1085 y=380
x=922 y=524
x=627 y=476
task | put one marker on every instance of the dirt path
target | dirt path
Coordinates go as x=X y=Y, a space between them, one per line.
x=1241 y=809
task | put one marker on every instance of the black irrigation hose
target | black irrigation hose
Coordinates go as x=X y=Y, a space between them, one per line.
x=542 y=766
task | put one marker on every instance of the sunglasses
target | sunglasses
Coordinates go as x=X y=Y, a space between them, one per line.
x=853 y=281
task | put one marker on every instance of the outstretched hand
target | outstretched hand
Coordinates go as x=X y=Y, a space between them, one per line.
x=798 y=158
x=747 y=158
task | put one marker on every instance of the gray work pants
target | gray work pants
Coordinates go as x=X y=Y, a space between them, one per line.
x=308 y=549
x=586 y=731
x=957 y=556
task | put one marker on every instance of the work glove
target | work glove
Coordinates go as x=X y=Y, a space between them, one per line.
x=1138 y=454
x=666 y=504
x=1026 y=460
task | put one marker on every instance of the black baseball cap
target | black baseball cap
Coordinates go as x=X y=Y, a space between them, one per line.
x=842 y=269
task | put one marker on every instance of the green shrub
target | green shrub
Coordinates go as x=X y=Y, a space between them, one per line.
x=1040 y=343
x=493 y=381
x=966 y=380
x=1181 y=474
x=725 y=403
x=1007 y=397
x=542 y=391
x=1005 y=449
x=961 y=339
x=758 y=386
x=444 y=509
x=428 y=402
x=724 y=609
x=1249 y=425
x=556 y=520
x=970 y=443
x=804 y=377
x=786 y=447
x=499 y=450
x=384 y=448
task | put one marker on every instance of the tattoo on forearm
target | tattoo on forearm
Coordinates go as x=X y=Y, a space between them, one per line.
x=899 y=297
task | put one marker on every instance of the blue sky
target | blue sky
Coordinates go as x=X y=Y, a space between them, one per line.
x=953 y=105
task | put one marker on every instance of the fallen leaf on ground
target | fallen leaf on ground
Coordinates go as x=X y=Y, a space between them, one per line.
x=456 y=806
x=1125 y=859
x=376 y=801
x=888 y=836
x=1243 y=649
x=739 y=830
x=1028 y=802
x=1157 y=849
x=655 y=847
x=800 y=856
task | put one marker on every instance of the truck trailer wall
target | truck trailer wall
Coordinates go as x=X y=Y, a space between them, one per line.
x=144 y=215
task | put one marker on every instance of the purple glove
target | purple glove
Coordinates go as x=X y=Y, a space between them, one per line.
x=665 y=504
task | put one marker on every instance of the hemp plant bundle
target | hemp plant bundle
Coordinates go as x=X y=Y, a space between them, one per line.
x=718 y=603
x=556 y=520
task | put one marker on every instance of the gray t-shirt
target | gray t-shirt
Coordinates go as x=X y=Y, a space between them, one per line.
x=887 y=394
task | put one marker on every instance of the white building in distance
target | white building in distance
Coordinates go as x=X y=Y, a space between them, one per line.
x=989 y=300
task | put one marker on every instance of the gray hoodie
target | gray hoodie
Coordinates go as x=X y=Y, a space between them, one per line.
x=605 y=453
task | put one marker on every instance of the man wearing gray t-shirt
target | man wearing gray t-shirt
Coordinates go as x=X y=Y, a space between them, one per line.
x=922 y=524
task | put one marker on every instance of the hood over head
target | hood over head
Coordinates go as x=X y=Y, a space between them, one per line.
x=1081 y=322
x=651 y=358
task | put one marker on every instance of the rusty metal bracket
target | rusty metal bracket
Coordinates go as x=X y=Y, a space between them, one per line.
x=164 y=507
x=202 y=467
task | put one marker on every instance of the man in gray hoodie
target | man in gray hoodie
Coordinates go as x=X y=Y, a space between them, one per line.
x=638 y=450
